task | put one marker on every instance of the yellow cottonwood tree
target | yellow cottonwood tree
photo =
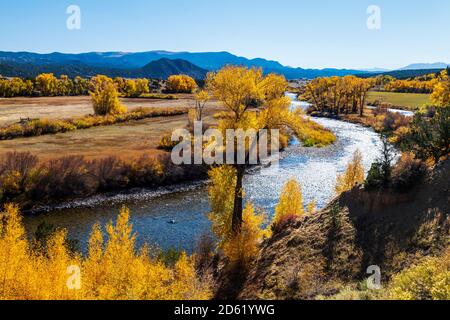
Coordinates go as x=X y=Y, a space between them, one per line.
x=243 y=247
x=240 y=90
x=104 y=96
x=112 y=270
x=441 y=93
x=354 y=174
x=291 y=202
x=47 y=84
x=181 y=84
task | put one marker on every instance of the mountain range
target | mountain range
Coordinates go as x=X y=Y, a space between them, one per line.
x=157 y=64
x=423 y=66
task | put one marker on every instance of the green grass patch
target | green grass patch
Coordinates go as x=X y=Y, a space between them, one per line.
x=407 y=101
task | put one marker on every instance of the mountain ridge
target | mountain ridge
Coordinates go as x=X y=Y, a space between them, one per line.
x=129 y=62
x=210 y=61
x=159 y=69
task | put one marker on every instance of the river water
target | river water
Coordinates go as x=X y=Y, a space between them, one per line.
x=177 y=219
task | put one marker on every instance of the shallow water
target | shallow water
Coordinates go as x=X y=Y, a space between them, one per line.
x=177 y=219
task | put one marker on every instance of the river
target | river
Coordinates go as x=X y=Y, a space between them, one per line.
x=177 y=219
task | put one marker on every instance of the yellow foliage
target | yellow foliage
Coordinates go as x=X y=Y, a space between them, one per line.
x=47 y=83
x=411 y=86
x=274 y=86
x=223 y=180
x=104 y=96
x=201 y=98
x=441 y=93
x=291 y=202
x=243 y=248
x=181 y=83
x=236 y=88
x=112 y=270
x=240 y=88
x=311 y=207
x=338 y=94
x=353 y=175
x=429 y=280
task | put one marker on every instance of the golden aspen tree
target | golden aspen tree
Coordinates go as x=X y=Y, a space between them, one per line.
x=142 y=86
x=290 y=204
x=46 y=83
x=441 y=92
x=354 y=174
x=112 y=270
x=104 y=96
x=243 y=247
x=181 y=84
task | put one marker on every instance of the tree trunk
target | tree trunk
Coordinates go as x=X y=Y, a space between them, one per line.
x=238 y=200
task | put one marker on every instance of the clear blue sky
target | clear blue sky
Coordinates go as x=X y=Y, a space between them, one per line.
x=309 y=34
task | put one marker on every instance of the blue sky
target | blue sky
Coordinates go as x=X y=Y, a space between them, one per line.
x=309 y=34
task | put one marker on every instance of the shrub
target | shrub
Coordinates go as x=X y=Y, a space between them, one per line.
x=380 y=173
x=67 y=177
x=428 y=280
x=159 y=96
x=110 y=173
x=204 y=252
x=46 y=126
x=16 y=172
x=408 y=172
x=166 y=143
x=431 y=136
x=146 y=172
x=375 y=177
x=26 y=181
x=283 y=222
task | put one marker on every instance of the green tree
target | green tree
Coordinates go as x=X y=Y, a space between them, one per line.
x=431 y=136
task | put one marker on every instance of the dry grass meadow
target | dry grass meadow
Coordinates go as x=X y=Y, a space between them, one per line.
x=126 y=140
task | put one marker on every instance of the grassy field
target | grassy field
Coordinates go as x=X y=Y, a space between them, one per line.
x=12 y=109
x=410 y=101
x=126 y=140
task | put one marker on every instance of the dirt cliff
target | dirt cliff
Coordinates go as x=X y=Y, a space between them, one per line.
x=319 y=253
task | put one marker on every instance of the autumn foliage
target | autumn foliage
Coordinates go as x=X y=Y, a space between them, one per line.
x=338 y=95
x=427 y=280
x=181 y=84
x=290 y=207
x=105 y=98
x=113 y=268
x=353 y=175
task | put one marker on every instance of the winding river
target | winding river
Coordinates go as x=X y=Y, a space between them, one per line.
x=176 y=219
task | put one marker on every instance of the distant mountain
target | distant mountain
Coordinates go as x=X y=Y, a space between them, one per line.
x=160 y=69
x=375 y=70
x=164 y=68
x=135 y=61
x=402 y=74
x=423 y=66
